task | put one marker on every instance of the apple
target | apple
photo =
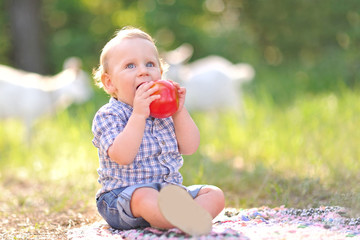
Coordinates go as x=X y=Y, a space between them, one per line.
x=168 y=103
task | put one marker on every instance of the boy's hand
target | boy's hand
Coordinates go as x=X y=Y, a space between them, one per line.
x=143 y=98
x=182 y=94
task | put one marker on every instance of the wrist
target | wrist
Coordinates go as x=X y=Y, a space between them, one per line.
x=139 y=116
x=180 y=112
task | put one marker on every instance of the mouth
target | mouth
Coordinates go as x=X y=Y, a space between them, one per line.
x=139 y=85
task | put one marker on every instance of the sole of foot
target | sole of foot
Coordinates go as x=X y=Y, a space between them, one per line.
x=181 y=210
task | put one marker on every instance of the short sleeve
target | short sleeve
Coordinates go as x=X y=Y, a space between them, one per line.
x=106 y=126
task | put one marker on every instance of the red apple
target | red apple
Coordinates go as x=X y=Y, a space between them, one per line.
x=168 y=103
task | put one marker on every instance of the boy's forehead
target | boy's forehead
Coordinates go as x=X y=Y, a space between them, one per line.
x=125 y=47
x=125 y=44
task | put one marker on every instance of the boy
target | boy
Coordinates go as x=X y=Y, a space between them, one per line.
x=140 y=156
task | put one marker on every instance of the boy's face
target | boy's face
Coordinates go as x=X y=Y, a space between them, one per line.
x=131 y=62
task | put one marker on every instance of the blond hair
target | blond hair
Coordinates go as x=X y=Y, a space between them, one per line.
x=124 y=33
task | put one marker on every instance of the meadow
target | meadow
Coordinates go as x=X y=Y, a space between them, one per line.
x=299 y=152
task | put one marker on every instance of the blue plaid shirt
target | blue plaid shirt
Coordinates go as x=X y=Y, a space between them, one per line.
x=158 y=159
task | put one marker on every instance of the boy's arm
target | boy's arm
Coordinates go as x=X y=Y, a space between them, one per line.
x=126 y=145
x=187 y=133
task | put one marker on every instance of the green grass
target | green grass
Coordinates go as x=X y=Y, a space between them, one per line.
x=301 y=154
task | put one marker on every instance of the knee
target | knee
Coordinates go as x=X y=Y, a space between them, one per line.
x=220 y=198
x=217 y=197
x=143 y=199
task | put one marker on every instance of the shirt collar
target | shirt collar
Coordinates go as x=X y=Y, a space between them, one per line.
x=114 y=101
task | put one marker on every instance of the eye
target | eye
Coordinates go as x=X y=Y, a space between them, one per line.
x=150 y=64
x=130 y=65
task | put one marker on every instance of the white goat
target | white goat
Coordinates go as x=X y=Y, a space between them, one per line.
x=212 y=83
x=28 y=96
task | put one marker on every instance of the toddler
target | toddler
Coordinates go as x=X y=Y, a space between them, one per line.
x=140 y=156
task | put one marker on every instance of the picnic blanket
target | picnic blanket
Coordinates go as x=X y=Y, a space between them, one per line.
x=327 y=222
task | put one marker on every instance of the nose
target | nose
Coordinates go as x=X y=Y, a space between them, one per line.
x=143 y=71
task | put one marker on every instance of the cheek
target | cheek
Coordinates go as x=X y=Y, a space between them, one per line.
x=157 y=74
x=129 y=90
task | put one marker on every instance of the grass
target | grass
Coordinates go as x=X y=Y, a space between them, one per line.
x=303 y=154
x=300 y=154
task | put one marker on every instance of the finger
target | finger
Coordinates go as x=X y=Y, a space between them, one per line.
x=146 y=89
x=177 y=85
x=182 y=90
x=154 y=97
x=144 y=86
x=152 y=89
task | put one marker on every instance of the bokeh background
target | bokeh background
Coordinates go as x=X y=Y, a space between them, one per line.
x=295 y=143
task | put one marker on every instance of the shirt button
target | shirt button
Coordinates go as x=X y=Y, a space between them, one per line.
x=162 y=142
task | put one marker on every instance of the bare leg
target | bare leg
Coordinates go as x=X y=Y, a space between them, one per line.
x=144 y=203
x=212 y=199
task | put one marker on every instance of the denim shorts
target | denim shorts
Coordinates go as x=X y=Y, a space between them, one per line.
x=114 y=206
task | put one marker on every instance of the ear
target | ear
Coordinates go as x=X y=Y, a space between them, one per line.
x=108 y=85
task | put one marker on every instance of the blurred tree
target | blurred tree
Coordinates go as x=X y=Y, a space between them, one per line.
x=317 y=37
x=26 y=34
x=211 y=26
x=69 y=32
x=322 y=37
x=4 y=35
